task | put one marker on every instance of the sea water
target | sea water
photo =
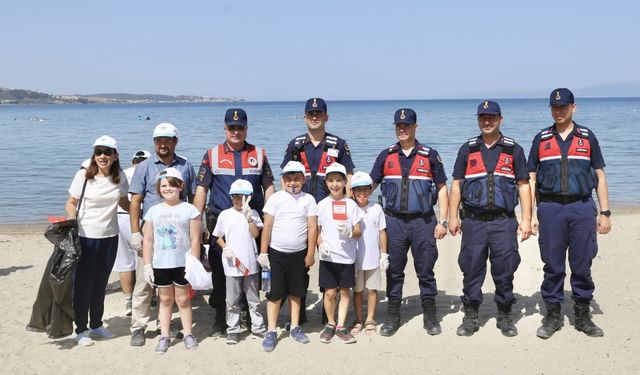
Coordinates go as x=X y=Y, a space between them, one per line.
x=43 y=145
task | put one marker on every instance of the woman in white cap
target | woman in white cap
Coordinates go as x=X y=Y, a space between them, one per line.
x=95 y=193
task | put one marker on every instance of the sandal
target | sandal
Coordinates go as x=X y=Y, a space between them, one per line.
x=356 y=327
x=370 y=327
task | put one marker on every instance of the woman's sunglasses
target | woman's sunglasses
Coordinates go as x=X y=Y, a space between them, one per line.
x=105 y=151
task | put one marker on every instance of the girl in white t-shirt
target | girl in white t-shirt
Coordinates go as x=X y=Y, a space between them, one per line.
x=372 y=259
x=171 y=230
x=338 y=227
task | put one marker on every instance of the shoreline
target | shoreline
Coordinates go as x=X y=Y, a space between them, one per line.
x=29 y=228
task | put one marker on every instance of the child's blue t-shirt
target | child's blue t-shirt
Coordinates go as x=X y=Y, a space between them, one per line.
x=171 y=240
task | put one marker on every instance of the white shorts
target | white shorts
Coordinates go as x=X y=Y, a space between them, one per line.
x=371 y=279
x=126 y=258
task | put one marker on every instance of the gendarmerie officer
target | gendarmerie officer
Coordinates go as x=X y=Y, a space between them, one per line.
x=566 y=164
x=317 y=150
x=221 y=166
x=412 y=180
x=489 y=176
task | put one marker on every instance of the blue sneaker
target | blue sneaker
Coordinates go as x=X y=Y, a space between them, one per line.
x=299 y=336
x=270 y=341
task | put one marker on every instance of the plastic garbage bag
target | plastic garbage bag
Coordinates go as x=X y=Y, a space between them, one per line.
x=195 y=273
x=66 y=253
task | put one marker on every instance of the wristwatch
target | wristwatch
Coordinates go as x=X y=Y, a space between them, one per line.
x=606 y=213
x=444 y=223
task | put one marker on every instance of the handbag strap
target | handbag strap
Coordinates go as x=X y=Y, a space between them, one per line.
x=84 y=186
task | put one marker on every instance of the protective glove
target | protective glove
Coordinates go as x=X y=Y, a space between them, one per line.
x=324 y=248
x=345 y=230
x=246 y=210
x=263 y=260
x=148 y=274
x=384 y=262
x=136 y=241
x=228 y=254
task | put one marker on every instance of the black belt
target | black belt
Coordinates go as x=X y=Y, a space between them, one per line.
x=563 y=199
x=488 y=216
x=405 y=216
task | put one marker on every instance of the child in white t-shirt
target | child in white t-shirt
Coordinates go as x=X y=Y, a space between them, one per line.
x=371 y=256
x=338 y=226
x=236 y=229
x=287 y=249
x=171 y=230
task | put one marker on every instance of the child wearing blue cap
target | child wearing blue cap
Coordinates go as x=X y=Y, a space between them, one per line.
x=372 y=259
x=171 y=230
x=236 y=229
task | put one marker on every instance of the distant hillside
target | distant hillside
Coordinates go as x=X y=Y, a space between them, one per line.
x=20 y=96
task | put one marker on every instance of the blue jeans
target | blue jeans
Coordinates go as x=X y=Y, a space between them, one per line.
x=90 y=279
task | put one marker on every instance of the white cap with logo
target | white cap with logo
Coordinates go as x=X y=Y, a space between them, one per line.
x=293 y=167
x=164 y=129
x=336 y=168
x=170 y=172
x=242 y=187
x=106 y=141
x=361 y=179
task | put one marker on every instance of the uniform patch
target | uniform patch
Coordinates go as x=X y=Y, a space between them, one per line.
x=579 y=149
x=507 y=160
x=421 y=162
x=390 y=164
x=473 y=162
x=332 y=152
x=422 y=170
x=202 y=172
x=580 y=142
x=252 y=161
x=547 y=146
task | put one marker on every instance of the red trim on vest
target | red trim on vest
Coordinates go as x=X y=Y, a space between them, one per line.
x=503 y=166
x=324 y=162
x=580 y=147
x=421 y=167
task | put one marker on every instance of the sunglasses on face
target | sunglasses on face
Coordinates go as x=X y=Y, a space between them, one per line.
x=105 y=151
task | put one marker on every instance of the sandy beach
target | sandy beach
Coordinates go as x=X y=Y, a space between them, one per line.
x=25 y=251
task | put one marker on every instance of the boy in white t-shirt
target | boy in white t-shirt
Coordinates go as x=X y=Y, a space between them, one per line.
x=371 y=256
x=338 y=225
x=287 y=249
x=237 y=228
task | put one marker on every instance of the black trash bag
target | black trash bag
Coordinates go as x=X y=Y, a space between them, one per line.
x=53 y=308
x=66 y=253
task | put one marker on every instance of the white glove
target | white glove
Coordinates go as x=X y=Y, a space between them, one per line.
x=246 y=210
x=345 y=230
x=324 y=248
x=263 y=260
x=148 y=274
x=384 y=262
x=136 y=241
x=227 y=253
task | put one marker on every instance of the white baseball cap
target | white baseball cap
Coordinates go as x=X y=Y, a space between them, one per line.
x=242 y=187
x=336 y=168
x=164 y=129
x=361 y=179
x=106 y=141
x=293 y=167
x=170 y=172
x=141 y=154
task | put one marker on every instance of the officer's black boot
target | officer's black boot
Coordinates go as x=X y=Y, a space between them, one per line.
x=503 y=321
x=584 y=322
x=551 y=322
x=392 y=320
x=429 y=319
x=470 y=323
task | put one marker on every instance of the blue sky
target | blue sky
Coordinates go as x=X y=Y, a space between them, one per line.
x=292 y=50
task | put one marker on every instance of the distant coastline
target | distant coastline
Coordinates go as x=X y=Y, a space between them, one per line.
x=21 y=96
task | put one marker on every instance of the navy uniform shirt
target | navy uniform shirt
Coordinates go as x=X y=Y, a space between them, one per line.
x=597 y=161
x=490 y=158
x=314 y=154
x=218 y=186
x=437 y=168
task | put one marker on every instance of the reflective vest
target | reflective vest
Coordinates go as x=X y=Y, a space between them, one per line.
x=490 y=191
x=314 y=184
x=413 y=193
x=569 y=173
x=226 y=172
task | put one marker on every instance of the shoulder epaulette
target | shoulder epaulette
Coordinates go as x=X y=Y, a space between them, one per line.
x=473 y=141
x=582 y=132
x=508 y=141
x=423 y=150
x=331 y=141
x=546 y=133
x=393 y=148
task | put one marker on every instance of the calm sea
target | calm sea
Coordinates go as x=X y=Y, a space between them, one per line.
x=43 y=145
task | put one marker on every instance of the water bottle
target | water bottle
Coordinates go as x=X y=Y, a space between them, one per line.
x=266 y=279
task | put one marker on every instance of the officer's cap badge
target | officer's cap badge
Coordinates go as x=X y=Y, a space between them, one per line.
x=235 y=116
x=315 y=103
x=486 y=105
x=402 y=116
x=558 y=95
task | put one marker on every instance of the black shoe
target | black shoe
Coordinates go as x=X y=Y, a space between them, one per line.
x=470 y=323
x=138 y=338
x=219 y=328
x=429 y=319
x=584 y=322
x=504 y=322
x=233 y=338
x=551 y=322
x=392 y=319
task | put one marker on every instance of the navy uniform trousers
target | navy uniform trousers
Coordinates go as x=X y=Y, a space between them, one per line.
x=569 y=226
x=416 y=233
x=497 y=241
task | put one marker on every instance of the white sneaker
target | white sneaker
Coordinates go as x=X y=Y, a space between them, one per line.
x=101 y=332
x=83 y=339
